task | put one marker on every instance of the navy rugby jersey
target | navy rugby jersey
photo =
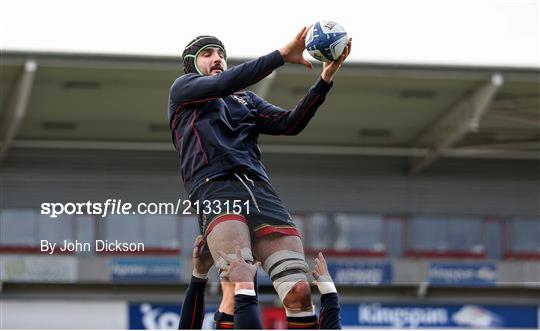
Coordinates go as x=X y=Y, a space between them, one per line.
x=215 y=127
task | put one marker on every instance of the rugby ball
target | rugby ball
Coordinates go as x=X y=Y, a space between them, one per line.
x=326 y=40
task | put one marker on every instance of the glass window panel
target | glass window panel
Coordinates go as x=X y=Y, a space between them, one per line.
x=524 y=235
x=356 y=231
x=426 y=233
x=443 y=234
x=18 y=227
x=464 y=234
x=55 y=229
x=161 y=231
x=124 y=228
x=86 y=229
x=189 y=231
x=319 y=231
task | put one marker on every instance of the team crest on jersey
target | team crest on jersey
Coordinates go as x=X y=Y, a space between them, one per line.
x=239 y=99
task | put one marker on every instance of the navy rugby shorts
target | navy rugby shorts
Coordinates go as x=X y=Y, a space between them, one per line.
x=242 y=196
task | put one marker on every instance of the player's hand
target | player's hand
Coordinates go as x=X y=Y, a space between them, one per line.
x=293 y=51
x=320 y=272
x=330 y=68
x=237 y=270
x=202 y=259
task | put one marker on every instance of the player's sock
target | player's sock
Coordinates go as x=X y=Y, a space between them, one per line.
x=223 y=320
x=246 y=312
x=329 y=316
x=304 y=322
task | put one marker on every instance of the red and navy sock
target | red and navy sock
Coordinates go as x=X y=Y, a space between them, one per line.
x=305 y=322
x=223 y=320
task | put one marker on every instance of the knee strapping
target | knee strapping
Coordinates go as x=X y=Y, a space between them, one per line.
x=286 y=268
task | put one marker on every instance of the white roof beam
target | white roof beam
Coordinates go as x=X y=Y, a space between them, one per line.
x=16 y=109
x=461 y=119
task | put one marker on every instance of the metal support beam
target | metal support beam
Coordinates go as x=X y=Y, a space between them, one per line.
x=473 y=153
x=512 y=145
x=17 y=105
x=461 y=119
x=516 y=116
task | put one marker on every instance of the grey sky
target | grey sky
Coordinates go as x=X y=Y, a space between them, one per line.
x=470 y=32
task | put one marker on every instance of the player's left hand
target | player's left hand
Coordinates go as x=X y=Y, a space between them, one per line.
x=202 y=259
x=320 y=272
x=330 y=68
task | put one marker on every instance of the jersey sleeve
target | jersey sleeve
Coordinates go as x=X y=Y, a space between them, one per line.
x=193 y=88
x=329 y=316
x=273 y=120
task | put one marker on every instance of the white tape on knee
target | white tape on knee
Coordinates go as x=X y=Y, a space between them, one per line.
x=284 y=285
x=277 y=265
x=220 y=263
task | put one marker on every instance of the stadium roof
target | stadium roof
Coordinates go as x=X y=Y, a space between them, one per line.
x=424 y=112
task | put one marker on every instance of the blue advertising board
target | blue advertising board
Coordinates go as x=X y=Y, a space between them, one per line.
x=151 y=316
x=468 y=274
x=371 y=315
x=438 y=316
x=375 y=273
x=161 y=270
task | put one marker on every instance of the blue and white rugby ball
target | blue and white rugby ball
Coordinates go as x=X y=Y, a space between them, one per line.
x=326 y=40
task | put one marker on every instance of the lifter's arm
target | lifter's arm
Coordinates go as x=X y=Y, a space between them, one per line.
x=192 y=314
x=246 y=310
x=329 y=316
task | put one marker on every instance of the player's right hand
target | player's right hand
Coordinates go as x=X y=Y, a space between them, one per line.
x=331 y=68
x=293 y=51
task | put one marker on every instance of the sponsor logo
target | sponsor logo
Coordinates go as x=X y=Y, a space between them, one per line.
x=400 y=317
x=239 y=99
x=462 y=274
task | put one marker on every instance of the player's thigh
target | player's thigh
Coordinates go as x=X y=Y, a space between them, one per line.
x=265 y=246
x=223 y=236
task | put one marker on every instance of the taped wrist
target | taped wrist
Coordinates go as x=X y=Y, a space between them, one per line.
x=325 y=284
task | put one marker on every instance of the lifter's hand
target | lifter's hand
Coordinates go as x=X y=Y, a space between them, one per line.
x=238 y=271
x=330 y=68
x=323 y=280
x=202 y=260
x=293 y=51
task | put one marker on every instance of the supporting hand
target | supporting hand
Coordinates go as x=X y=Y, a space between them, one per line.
x=330 y=68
